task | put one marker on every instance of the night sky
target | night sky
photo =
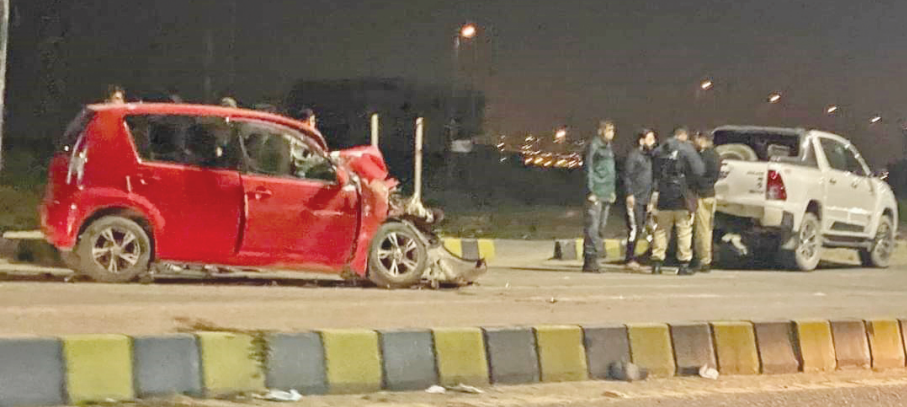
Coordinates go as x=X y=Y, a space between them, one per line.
x=543 y=64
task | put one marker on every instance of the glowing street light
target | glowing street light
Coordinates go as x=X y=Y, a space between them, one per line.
x=774 y=98
x=468 y=31
x=706 y=84
x=560 y=136
x=875 y=119
x=831 y=109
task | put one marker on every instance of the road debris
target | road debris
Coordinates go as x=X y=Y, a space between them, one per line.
x=436 y=390
x=280 y=395
x=614 y=394
x=465 y=388
x=708 y=372
x=628 y=372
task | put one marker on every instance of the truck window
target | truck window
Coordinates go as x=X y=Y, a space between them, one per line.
x=835 y=153
x=766 y=145
x=854 y=165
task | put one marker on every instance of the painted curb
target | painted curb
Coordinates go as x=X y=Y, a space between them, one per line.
x=102 y=368
x=614 y=249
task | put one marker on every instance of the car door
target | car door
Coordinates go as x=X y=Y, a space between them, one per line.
x=298 y=210
x=862 y=188
x=841 y=199
x=188 y=171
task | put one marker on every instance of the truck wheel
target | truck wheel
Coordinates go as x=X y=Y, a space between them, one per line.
x=808 y=252
x=397 y=257
x=879 y=254
x=114 y=250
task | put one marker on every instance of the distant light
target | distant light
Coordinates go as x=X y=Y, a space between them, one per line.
x=774 y=98
x=468 y=31
x=706 y=85
x=831 y=109
x=503 y=159
x=560 y=136
x=530 y=138
x=875 y=119
x=527 y=161
x=538 y=160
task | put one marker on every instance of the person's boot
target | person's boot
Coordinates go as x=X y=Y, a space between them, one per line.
x=656 y=267
x=704 y=268
x=685 y=270
x=590 y=264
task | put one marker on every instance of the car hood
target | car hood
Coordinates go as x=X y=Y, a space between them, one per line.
x=366 y=161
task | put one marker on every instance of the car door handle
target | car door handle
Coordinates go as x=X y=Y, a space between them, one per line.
x=260 y=193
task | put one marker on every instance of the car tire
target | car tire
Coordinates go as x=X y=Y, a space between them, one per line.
x=114 y=250
x=397 y=257
x=740 y=152
x=883 y=244
x=808 y=251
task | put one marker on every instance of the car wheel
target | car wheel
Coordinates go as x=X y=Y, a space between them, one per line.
x=808 y=251
x=114 y=250
x=397 y=257
x=879 y=254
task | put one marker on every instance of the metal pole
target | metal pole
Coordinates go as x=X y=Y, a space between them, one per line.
x=4 y=35
x=417 y=188
x=375 y=130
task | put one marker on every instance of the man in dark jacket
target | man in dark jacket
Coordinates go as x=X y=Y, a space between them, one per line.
x=677 y=165
x=601 y=183
x=705 y=208
x=637 y=179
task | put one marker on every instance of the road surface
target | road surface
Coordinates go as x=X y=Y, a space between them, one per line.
x=517 y=291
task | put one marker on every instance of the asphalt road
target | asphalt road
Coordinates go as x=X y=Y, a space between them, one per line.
x=519 y=290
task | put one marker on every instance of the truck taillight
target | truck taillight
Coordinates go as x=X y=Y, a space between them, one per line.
x=774 y=188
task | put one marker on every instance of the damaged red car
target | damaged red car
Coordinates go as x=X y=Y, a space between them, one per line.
x=139 y=190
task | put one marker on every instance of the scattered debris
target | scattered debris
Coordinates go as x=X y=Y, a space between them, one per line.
x=552 y=300
x=614 y=394
x=627 y=372
x=708 y=372
x=436 y=390
x=465 y=388
x=280 y=395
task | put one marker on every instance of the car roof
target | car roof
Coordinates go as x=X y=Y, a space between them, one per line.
x=785 y=131
x=197 y=109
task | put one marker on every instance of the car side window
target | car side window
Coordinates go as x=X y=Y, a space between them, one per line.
x=835 y=153
x=275 y=151
x=854 y=165
x=200 y=141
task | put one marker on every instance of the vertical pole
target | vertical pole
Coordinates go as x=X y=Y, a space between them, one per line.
x=420 y=127
x=209 y=65
x=4 y=35
x=375 y=130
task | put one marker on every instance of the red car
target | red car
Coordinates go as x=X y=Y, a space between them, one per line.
x=136 y=185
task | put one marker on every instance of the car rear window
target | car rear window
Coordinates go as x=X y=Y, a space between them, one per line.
x=74 y=129
x=766 y=145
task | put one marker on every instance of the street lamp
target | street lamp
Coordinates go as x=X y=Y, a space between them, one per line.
x=831 y=109
x=875 y=119
x=468 y=31
x=560 y=136
x=774 y=98
x=706 y=84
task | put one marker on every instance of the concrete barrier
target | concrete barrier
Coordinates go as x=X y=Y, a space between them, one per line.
x=229 y=364
x=815 y=345
x=296 y=362
x=693 y=347
x=886 y=344
x=98 y=368
x=851 y=346
x=562 y=357
x=471 y=249
x=32 y=372
x=735 y=346
x=605 y=345
x=460 y=354
x=166 y=365
x=650 y=348
x=409 y=360
x=352 y=361
x=777 y=352
x=512 y=355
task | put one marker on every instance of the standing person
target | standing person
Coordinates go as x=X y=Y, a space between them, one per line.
x=677 y=165
x=637 y=179
x=307 y=116
x=705 y=207
x=115 y=95
x=601 y=183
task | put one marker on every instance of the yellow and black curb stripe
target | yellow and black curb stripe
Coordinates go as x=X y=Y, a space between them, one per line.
x=572 y=249
x=470 y=249
x=85 y=369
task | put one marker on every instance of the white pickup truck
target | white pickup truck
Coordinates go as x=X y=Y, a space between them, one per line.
x=788 y=193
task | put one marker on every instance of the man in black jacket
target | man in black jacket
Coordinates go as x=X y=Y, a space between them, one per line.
x=677 y=166
x=705 y=208
x=638 y=184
